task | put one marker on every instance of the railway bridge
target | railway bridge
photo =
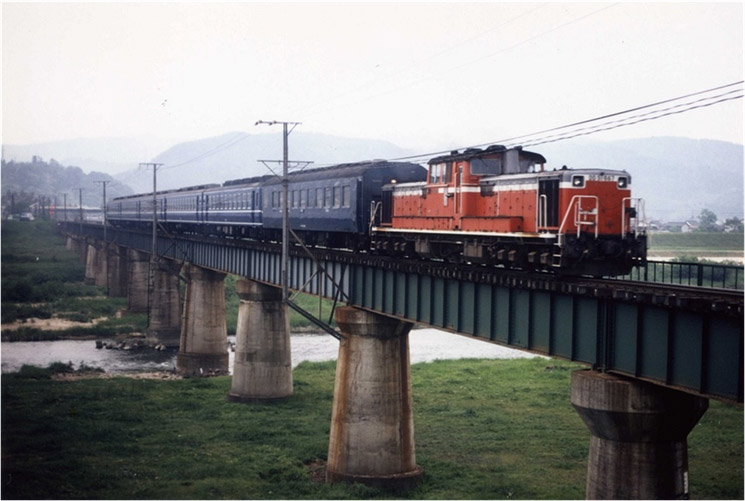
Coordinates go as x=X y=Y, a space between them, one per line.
x=655 y=354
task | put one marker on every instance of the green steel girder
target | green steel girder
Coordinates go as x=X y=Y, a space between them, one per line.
x=698 y=352
x=668 y=342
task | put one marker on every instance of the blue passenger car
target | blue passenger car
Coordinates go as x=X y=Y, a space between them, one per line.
x=325 y=204
x=329 y=206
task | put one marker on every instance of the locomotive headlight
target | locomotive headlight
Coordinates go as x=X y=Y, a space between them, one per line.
x=578 y=181
x=623 y=183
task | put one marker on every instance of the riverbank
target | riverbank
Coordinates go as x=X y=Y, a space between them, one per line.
x=425 y=345
x=485 y=429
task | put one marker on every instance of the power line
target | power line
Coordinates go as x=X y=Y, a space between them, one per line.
x=634 y=118
x=512 y=140
x=637 y=121
x=618 y=113
x=223 y=146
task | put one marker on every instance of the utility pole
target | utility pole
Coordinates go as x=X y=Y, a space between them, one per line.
x=65 y=195
x=80 y=203
x=155 y=208
x=285 y=203
x=104 y=183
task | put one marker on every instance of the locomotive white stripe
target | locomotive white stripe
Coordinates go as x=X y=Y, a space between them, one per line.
x=501 y=187
x=547 y=236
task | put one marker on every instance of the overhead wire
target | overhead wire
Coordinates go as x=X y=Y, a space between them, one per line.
x=619 y=113
x=237 y=138
x=635 y=122
x=571 y=130
x=542 y=133
x=653 y=112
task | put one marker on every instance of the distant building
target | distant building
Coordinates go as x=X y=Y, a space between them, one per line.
x=673 y=226
x=689 y=226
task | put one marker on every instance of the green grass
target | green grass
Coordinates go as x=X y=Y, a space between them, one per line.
x=484 y=430
x=36 y=265
x=696 y=242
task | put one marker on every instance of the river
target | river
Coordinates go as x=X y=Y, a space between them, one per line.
x=426 y=345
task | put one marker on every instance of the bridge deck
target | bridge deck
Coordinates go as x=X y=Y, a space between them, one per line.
x=689 y=338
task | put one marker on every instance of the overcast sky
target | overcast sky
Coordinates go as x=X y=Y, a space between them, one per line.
x=421 y=75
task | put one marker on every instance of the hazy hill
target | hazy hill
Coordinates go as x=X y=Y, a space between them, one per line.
x=677 y=177
x=52 y=180
x=107 y=155
x=236 y=155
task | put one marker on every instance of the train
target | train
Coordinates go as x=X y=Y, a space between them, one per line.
x=496 y=206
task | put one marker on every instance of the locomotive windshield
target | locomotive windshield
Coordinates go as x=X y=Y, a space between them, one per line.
x=486 y=166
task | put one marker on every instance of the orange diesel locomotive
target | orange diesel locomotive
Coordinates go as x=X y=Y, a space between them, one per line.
x=500 y=205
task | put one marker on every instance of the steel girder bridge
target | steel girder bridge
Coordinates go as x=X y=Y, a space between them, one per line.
x=686 y=338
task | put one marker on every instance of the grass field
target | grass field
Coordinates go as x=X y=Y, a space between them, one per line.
x=696 y=244
x=485 y=429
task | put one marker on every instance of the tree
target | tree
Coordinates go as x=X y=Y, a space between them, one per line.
x=707 y=221
x=16 y=202
x=734 y=224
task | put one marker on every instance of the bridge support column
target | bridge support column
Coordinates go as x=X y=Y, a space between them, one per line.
x=204 y=340
x=90 y=265
x=116 y=261
x=80 y=246
x=95 y=266
x=262 y=368
x=638 y=444
x=165 y=308
x=101 y=266
x=138 y=264
x=372 y=422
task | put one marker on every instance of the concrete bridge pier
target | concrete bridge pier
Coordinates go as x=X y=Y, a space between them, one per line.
x=80 y=247
x=138 y=266
x=203 y=349
x=372 y=422
x=90 y=265
x=262 y=368
x=638 y=444
x=95 y=265
x=116 y=260
x=165 y=307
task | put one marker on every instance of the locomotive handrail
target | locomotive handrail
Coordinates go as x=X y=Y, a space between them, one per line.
x=542 y=210
x=374 y=207
x=576 y=202
x=640 y=209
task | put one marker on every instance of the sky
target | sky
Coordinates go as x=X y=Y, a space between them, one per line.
x=421 y=75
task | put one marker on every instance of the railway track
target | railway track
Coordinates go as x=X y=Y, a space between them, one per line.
x=721 y=301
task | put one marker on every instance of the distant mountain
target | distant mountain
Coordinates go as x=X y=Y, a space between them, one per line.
x=54 y=181
x=677 y=177
x=107 y=155
x=236 y=155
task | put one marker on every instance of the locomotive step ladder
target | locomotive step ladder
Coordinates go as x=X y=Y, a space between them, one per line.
x=584 y=215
